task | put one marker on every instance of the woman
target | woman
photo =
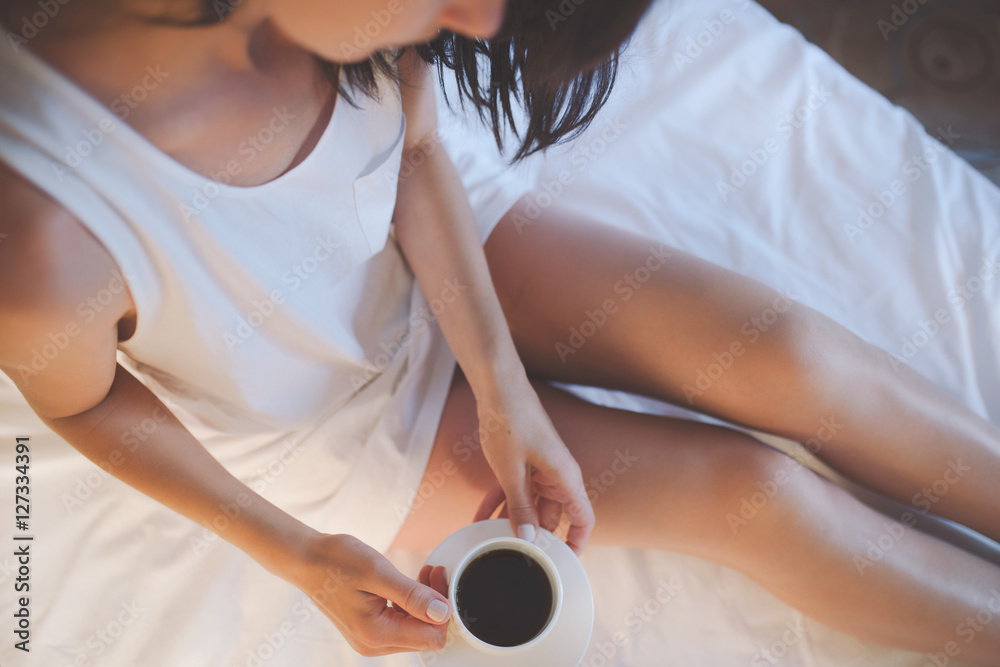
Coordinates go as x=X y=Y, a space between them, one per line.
x=246 y=105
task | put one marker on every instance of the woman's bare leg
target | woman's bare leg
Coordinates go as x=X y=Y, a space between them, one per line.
x=677 y=486
x=704 y=337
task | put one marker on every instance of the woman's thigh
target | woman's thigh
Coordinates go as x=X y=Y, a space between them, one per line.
x=714 y=493
x=591 y=304
x=654 y=482
x=588 y=303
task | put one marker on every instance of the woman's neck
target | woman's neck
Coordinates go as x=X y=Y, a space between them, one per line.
x=105 y=46
x=203 y=88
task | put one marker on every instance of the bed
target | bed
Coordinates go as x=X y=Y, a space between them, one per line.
x=730 y=137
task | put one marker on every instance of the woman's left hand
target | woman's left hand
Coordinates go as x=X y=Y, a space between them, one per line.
x=530 y=460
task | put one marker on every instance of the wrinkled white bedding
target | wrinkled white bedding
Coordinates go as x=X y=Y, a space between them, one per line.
x=729 y=137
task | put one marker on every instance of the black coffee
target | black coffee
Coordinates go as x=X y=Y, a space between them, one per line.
x=504 y=598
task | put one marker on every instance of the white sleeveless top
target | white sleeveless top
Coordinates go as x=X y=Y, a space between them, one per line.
x=272 y=320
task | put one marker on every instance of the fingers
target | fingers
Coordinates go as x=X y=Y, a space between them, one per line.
x=581 y=517
x=578 y=509
x=420 y=601
x=416 y=619
x=564 y=492
x=549 y=513
x=379 y=629
x=395 y=631
x=439 y=581
x=435 y=578
x=494 y=497
x=521 y=503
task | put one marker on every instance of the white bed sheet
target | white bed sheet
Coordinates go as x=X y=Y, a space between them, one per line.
x=119 y=580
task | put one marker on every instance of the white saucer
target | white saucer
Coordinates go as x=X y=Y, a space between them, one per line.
x=564 y=646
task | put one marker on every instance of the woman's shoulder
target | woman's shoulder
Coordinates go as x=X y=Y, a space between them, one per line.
x=49 y=265
x=58 y=336
x=46 y=255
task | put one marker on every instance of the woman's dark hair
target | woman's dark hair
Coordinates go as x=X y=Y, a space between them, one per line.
x=557 y=59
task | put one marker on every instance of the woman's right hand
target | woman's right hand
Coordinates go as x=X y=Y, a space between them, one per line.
x=353 y=584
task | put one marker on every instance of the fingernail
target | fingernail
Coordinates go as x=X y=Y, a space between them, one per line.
x=526 y=532
x=437 y=611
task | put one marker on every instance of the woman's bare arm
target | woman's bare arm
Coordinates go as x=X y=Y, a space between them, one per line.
x=434 y=226
x=49 y=265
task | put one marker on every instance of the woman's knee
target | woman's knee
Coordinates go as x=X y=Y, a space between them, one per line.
x=683 y=486
x=797 y=365
x=757 y=499
x=812 y=349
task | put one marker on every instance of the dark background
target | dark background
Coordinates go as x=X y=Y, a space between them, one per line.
x=942 y=63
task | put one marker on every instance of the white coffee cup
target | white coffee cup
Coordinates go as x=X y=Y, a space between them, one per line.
x=529 y=550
